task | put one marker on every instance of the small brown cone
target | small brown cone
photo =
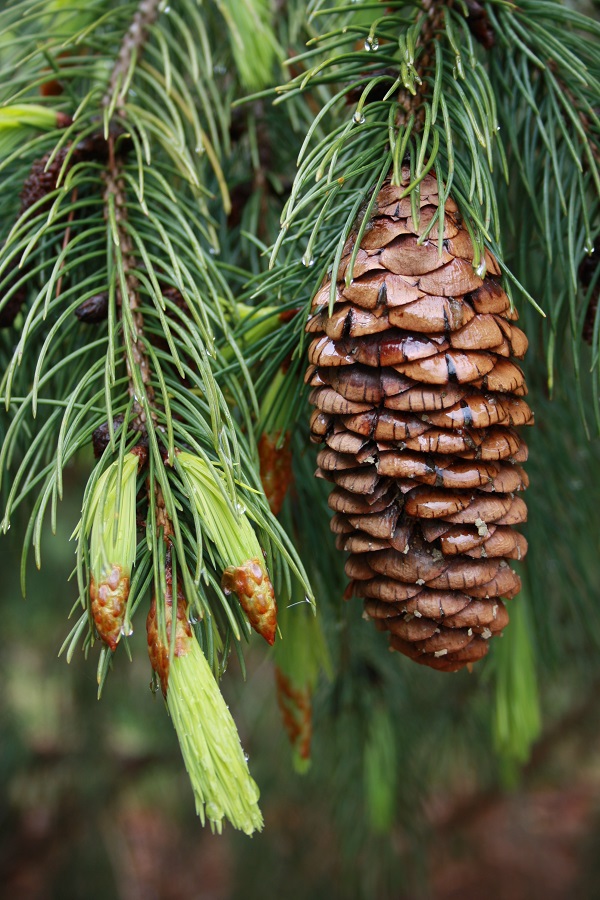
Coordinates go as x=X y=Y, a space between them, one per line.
x=417 y=402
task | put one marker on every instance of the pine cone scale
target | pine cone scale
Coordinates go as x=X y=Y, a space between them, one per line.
x=417 y=401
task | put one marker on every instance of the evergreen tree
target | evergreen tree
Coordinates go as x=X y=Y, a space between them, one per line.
x=183 y=183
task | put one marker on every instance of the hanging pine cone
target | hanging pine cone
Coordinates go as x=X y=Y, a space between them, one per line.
x=416 y=401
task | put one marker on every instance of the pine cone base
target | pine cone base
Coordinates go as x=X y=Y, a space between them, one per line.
x=417 y=405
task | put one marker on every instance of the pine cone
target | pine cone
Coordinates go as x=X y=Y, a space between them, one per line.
x=416 y=402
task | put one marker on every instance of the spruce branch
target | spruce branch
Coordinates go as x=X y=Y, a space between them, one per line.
x=127 y=288
x=129 y=54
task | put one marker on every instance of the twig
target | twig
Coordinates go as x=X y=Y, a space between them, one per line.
x=115 y=189
x=432 y=12
x=131 y=48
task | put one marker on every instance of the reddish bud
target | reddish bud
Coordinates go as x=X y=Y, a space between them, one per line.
x=275 y=469
x=108 y=600
x=254 y=590
x=51 y=88
x=159 y=650
x=296 y=711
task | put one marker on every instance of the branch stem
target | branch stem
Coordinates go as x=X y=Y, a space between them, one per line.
x=135 y=356
x=411 y=104
x=130 y=51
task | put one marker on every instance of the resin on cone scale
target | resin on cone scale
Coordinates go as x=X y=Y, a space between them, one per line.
x=418 y=402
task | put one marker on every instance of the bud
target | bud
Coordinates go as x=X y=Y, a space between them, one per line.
x=275 y=468
x=112 y=546
x=17 y=121
x=208 y=738
x=232 y=534
x=295 y=705
x=300 y=656
x=254 y=590
x=32 y=115
x=274 y=446
x=159 y=650
x=94 y=309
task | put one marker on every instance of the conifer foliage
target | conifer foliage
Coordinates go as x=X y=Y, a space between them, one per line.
x=174 y=251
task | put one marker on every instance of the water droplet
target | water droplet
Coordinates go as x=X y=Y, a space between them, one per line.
x=359 y=118
x=372 y=44
x=126 y=629
x=220 y=69
x=481 y=269
x=246 y=757
x=240 y=509
x=213 y=251
x=308 y=260
x=589 y=250
x=154 y=686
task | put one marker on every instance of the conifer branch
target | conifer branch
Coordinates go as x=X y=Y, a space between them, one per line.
x=130 y=53
x=127 y=288
x=429 y=21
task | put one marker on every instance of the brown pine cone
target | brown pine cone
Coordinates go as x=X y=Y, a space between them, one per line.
x=417 y=402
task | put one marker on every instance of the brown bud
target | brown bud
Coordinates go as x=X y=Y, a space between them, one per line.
x=159 y=650
x=275 y=469
x=254 y=590
x=109 y=599
x=52 y=88
x=94 y=309
x=296 y=711
x=101 y=436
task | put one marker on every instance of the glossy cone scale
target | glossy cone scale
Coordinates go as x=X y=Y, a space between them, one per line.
x=417 y=405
